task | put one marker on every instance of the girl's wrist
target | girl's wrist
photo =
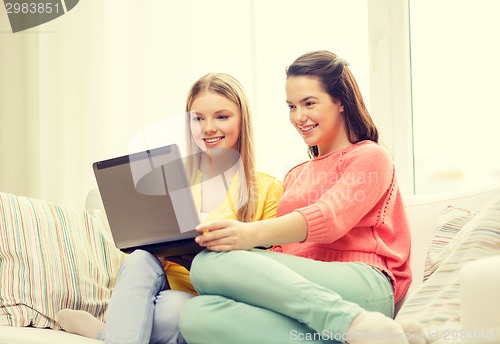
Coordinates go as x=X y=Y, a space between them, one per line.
x=255 y=235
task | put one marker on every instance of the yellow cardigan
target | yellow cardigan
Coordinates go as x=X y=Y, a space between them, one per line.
x=270 y=193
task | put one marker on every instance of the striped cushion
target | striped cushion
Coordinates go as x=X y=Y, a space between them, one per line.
x=450 y=223
x=53 y=257
x=436 y=303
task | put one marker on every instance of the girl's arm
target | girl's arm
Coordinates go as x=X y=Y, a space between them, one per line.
x=227 y=235
x=365 y=180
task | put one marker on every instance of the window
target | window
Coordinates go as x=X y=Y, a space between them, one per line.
x=455 y=92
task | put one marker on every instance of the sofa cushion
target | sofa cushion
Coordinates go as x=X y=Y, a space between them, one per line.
x=450 y=222
x=53 y=257
x=436 y=303
x=423 y=211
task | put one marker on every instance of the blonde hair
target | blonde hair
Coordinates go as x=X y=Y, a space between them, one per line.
x=228 y=87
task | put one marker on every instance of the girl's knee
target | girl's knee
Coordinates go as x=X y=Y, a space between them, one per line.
x=210 y=269
x=141 y=263
x=215 y=262
x=203 y=259
x=141 y=258
x=204 y=266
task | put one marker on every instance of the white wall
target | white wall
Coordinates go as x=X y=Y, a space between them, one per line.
x=92 y=79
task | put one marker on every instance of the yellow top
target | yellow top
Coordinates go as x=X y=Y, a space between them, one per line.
x=270 y=191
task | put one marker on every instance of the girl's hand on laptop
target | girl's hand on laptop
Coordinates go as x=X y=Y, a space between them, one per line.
x=226 y=235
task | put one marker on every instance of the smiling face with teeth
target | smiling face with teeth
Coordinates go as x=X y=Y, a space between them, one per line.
x=317 y=117
x=215 y=122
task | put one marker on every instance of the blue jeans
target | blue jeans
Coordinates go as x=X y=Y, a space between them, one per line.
x=142 y=309
x=265 y=297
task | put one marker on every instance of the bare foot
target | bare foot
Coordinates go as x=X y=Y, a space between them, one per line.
x=374 y=327
x=79 y=322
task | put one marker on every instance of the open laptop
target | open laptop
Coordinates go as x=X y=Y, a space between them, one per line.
x=148 y=202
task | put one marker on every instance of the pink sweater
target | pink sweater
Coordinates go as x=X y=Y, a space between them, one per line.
x=354 y=211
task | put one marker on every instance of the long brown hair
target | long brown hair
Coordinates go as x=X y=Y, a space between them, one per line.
x=338 y=81
x=228 y=87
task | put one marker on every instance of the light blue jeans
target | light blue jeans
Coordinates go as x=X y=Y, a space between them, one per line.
x=266 y=297
x=142 y=309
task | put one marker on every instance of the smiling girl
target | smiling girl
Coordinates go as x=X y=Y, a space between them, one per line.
x=340 y=241
x=150 y=292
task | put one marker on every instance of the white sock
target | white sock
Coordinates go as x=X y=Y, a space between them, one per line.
x=79 y=322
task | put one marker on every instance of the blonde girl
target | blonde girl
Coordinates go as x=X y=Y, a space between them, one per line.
x=150 y=292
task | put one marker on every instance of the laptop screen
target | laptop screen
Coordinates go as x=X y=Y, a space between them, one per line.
x=147 y=197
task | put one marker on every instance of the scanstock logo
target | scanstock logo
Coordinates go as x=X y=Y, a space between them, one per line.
x=25 y=14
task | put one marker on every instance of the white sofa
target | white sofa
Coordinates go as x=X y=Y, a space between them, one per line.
x=423 y=212
x=452 y=235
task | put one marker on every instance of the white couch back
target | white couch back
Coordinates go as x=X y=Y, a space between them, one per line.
x=423 y=212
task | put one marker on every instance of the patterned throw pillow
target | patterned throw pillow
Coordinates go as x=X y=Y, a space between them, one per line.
x=450 y=223
x=53 y=257
x=436 y=303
